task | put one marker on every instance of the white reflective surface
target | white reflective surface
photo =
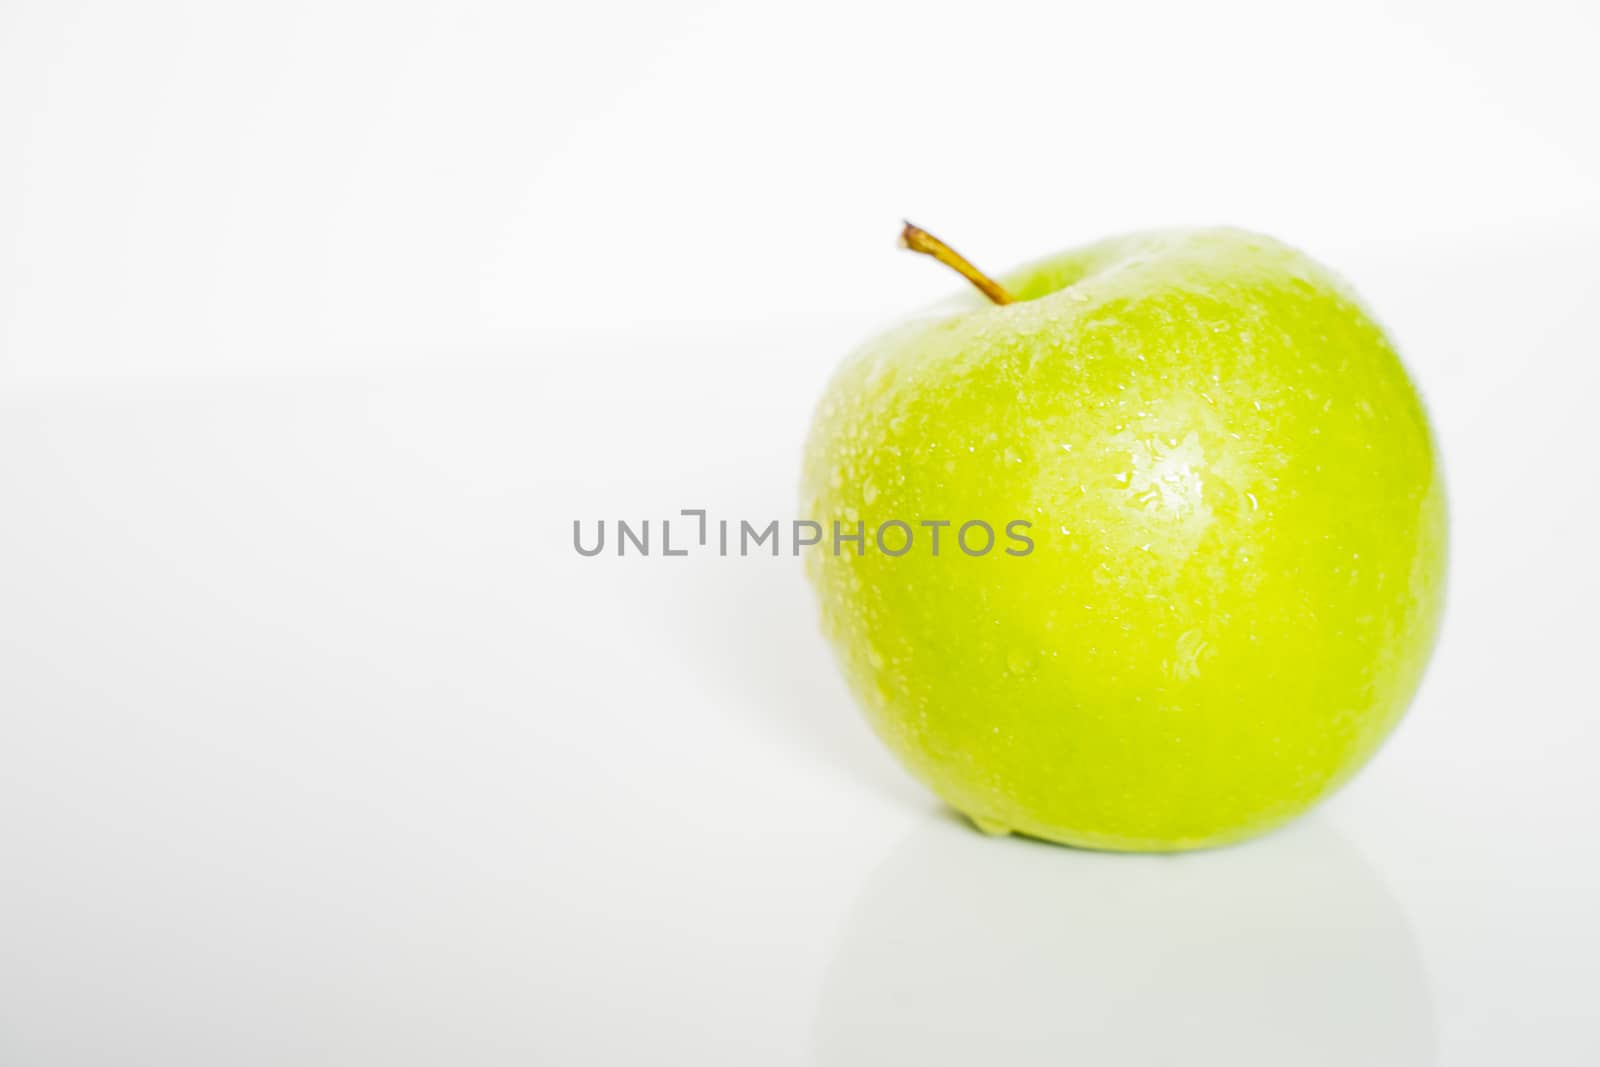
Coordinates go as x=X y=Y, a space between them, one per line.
x=321 y=744
x=961 y=950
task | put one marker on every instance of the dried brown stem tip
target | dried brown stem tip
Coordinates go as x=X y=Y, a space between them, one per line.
x=920 y=240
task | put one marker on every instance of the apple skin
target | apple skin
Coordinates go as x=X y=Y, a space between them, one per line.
x=1239 y=527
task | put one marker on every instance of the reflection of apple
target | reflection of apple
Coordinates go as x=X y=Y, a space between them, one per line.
x=967 y=952
x=1238 y=529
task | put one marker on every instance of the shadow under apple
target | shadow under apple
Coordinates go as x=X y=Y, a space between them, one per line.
x=757 y=638
x=967 y=950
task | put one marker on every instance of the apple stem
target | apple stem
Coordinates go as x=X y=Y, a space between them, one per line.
x=920 y=240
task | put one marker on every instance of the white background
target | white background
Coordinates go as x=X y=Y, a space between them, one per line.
x=320 y=323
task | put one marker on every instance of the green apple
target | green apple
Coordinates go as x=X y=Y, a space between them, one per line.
x=1227 y=549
